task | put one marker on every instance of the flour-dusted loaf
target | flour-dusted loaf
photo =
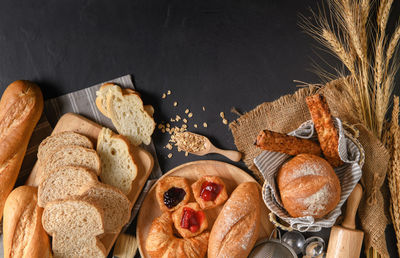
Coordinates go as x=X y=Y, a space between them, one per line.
x=20 y=109
x=115 y=205
x=64 y=182
x=118 y=166
x=23 y=233
x=161 y=241
x=71 y=155
x=308 y=186
x=74 y=225
x=129 y=117
x=55 y=141
x=237 y=227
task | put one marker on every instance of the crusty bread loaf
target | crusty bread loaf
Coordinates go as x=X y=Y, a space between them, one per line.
x=102 y=97
x=115 y=205
x=308 y=186
x=71 y=155
x=52 y=143
x=23 y=233
x=236 y=229
x=20 y=109
x=64 y=182
x=118 y=167
x=129 y=117
x=74 y=225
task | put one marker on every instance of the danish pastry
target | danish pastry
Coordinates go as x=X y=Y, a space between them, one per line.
x=162 y=243
x=172 y=192
x=190 y=220
x=209 y=192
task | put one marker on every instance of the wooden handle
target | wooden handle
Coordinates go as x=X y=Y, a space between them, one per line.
x=230 y=154
x=351 y=208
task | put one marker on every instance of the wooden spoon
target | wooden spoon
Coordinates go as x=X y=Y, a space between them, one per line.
x=210 y=148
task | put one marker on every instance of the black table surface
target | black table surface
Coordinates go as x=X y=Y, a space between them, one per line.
x=216 y=54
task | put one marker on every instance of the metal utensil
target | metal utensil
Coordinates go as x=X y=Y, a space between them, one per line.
x=295 y=240
x=314 y=247
x=272 y=248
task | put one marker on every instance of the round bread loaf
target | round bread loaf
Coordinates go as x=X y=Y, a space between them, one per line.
x=308 y=186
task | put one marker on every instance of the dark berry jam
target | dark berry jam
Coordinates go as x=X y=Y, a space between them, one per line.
x=192 y=219
x=173 y=197
x=210 y=191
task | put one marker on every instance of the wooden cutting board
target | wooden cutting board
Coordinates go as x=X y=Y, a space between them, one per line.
x=82 y=125
x=232 y=177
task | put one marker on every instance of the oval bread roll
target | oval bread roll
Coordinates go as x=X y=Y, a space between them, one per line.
x=236 y=228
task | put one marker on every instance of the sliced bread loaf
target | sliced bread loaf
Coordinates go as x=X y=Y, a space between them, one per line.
x=115 y=204
x=54 y=142
x=74 y=225
x=118 y=167
x=71 y=155
x=128 y=116
x=64 y=182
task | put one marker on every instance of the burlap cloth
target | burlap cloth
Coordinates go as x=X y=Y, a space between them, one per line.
x=287 y=113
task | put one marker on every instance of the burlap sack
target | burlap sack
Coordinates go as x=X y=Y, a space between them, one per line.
x=287 y=113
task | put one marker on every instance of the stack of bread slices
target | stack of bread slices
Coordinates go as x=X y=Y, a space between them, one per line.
x=78 y=208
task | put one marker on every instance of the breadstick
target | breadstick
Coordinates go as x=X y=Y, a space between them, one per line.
x=328 y=136
x=279 y=142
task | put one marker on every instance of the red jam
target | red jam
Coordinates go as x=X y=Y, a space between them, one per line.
x=192 y=219
x=209 y=191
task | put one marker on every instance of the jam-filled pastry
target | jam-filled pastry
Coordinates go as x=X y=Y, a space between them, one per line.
x=172 y=192
x=161 y=242
x=209 y=192
x=190 y=220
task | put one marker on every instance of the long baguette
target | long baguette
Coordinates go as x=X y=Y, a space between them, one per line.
x=20 y=109
x=23 y=233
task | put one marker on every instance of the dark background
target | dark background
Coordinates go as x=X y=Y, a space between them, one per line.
x=216 y=54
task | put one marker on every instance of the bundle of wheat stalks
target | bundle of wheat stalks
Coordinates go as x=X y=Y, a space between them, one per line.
x=370 y=62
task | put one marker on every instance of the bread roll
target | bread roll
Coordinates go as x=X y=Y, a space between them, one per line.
x=20 y=109
x=236 y=228
x=308 y=186
x=24 y=235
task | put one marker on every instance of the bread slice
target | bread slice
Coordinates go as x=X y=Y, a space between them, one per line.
x=129 y=117
x=64 y=182
x=54 y=142
x=115 y=204
x=101 y=99
x=71 y=156
x=118 y=167
x=74 y=225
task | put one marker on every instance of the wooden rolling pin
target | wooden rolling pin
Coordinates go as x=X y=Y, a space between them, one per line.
x=345 y=241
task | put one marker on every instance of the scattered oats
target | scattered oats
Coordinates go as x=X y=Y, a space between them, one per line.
x=160 y=126
x=168 y=125
x=204 y=124
x=172 y=120
x=185 y=120
x=177 y=118
x=168 y=130
x=172 y=130
x=170 y=155
x=186 y=153
x=182 y=129
x=163 y=130
x=168 y=146
x=225 y=121
x=184 y=126
x=186 y=111
x=222 y=115
x=189 y=142
x=204 y=109
x=168 y=92
x=175 y=104
x=195 y=125
x=190 y=115
x=163 y=96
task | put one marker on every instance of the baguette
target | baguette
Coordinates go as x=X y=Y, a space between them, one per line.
x=237 y=227
x=24 y=235
x=279 y=142
x=20 y=109
x=328 y=135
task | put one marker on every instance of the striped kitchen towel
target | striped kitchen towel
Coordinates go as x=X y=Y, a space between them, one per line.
x=349 y=174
